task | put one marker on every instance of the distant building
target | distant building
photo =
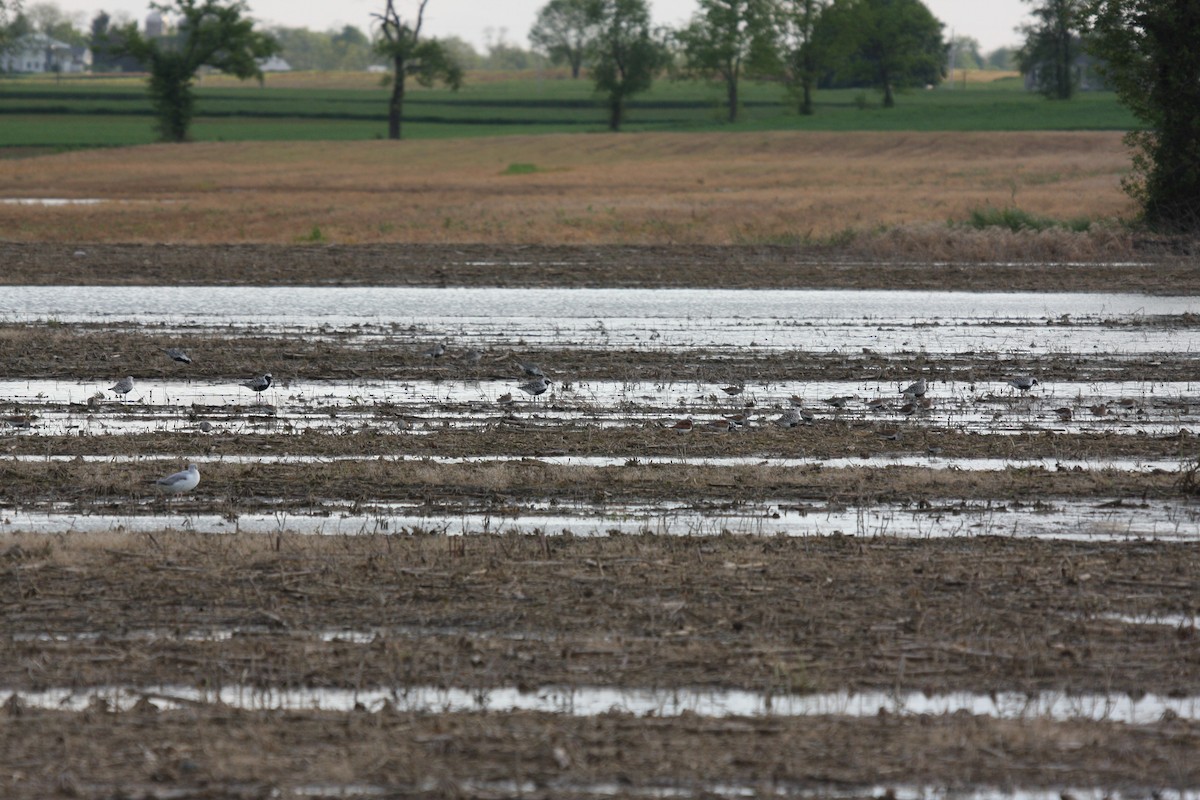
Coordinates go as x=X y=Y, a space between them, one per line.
x=274 y=64
x=37 y=52
x=155 y=26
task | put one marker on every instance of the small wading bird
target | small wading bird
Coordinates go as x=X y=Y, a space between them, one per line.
x=177 y=355
x=259 y=384
x=531 y=369
x=916 y=389
x=733 y=391
x=123 y=386
x=180 y=482
x=535 y=387
x=790 y=418
x=437 y=351
x=682 y=426
x=1023 y=382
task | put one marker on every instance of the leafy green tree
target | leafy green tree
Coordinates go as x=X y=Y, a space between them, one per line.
x=305 y=49
x=9 y=10
x=563 y=31
x=727 y=38
x=1001 y=58
x=425 y=60
x=625 y=54
x=50 y=19
x=1052 y=46
x=351 y=48
x=103 y=39
x=210 y=33
x=964 y=53
x=462 y=52
x=1150 y=55
x=799 y=56
x=887 y=44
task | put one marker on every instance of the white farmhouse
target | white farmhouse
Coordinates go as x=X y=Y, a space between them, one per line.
x=37 y=52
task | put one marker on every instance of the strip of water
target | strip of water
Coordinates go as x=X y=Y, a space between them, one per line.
x=1094 y=521
x=591 y=701
x=879 y=461
x=818 y=320
x=1154 y=408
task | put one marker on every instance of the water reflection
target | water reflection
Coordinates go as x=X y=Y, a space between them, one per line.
x=590 y=701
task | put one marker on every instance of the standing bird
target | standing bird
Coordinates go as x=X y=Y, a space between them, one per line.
x=123 y=386
x=176 y=355
x=531 y=369
x=435 y=352
x=259 y=384
x=535 y=387
x=916 y=389
x=180 y=482
x=1023 y=382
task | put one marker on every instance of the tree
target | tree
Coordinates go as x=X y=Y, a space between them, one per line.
x=50 y=19
x=1052 y=46
x=10 y=12
x=209 y=34
x=727 y=37
x=426 y=60
x=887 y=44
x=1149 y=47
x=1001 y=58
x=563 y=32
x=103 y=40
x=800 y=55
x=964 y=53
x=625 y=54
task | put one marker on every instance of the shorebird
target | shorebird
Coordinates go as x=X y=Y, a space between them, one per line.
x=682 y=426
x=123 y=386
x=790 y=418
x=891 y=434
x=472 y=357
x=504 y=399
x=176 y=355
x=719 y=426
x=535 y=387
x=259 y=384
x=437 y=351
x=1023 y=382
x=531 y=369
x=1064 y=413
x=180 y=482
x=733 y=391
x=916 y=389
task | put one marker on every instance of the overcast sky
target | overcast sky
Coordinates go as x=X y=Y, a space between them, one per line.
x=992 y=22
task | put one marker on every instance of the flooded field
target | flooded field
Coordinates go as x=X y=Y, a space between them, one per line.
x=752 y=542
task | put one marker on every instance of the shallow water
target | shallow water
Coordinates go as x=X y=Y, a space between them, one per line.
x=1130 y=407
x=815 y=320
x=1145 y=710
x=1092 y=521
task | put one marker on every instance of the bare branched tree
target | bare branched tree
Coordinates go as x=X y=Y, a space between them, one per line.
x=426 y=60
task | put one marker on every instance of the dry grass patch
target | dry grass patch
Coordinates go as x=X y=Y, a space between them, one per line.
x=229 y=489
x=631 y=188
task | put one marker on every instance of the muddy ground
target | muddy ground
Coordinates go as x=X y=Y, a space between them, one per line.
x=777 y=615
x=1018 y=262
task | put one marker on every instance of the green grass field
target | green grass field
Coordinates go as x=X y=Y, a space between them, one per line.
x=67 y=114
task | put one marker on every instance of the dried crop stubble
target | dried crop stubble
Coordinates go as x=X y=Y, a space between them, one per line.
x=772 y=614
x=213 y=752
x=231 y=488
x=635 y=188
x=95 y=352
